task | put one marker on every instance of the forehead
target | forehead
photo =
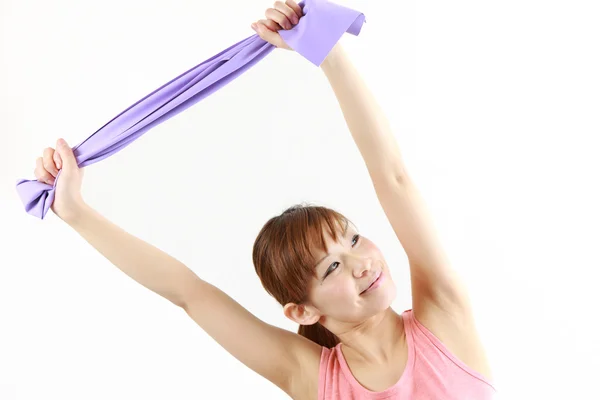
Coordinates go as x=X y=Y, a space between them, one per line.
x=342 y=229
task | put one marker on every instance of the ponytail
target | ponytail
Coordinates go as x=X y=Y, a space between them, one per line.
x=319 y=334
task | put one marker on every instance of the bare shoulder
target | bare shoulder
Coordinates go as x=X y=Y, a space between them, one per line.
x=305 y=383
x=457 y=330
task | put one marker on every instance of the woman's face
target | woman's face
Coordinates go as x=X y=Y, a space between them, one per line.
x=353 y=282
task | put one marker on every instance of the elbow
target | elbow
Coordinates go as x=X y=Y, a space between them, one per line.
x=400 y=177
x=178 y=297
x=399 y=172
x=393 y=171
x=387 y=179
x=187 y=289
x=179 y=303
x=192 y=292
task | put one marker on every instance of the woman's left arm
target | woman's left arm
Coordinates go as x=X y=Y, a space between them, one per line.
x=435 y=286
x=367 y=123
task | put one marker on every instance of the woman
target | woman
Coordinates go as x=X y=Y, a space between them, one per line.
x=330 y=280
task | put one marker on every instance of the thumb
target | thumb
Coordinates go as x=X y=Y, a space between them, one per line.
x=66 y=154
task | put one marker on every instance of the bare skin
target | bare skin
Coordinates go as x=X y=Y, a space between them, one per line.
x=372 y=334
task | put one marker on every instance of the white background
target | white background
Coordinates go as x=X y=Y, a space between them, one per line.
x=496 y=108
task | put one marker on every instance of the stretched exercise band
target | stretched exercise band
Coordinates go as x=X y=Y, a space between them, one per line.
x=317 y=32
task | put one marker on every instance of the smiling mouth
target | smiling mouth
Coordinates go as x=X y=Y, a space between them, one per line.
x=372 y=283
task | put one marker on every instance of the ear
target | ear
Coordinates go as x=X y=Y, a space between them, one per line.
x=301 y=313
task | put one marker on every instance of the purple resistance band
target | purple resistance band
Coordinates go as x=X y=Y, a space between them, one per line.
x=321 y=27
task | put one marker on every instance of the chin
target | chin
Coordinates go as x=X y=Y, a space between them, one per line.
x=382 y=298
x=389 y=296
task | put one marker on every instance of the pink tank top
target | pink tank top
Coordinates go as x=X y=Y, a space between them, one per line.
x=432 y=373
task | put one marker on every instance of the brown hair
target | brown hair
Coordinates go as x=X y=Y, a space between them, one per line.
x=284 y=258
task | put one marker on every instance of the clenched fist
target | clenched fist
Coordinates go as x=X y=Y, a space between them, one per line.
x=281 y=16
x=67 y=198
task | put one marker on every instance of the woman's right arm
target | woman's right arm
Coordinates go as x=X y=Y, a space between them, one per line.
x=281 y=356
x=285 y=358
x=149 y=266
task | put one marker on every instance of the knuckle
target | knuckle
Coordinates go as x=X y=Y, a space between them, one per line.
x=48 y=164
x=43 y=176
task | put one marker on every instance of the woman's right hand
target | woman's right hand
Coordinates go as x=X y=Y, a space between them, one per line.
x=280 y=16
x=67 y=199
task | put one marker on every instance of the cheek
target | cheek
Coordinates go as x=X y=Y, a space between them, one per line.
x=343 y=290
x=334 y=295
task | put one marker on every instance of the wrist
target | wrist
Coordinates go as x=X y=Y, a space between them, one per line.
x=333 y=58
x=76 y=214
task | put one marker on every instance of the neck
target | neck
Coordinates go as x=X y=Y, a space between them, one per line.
x=375 y=340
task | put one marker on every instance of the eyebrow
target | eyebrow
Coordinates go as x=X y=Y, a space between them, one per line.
x=327 y=255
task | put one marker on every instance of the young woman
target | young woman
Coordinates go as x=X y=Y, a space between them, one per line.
x=330 y=280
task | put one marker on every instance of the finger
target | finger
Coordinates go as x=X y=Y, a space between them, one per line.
x=267 y=34
x=41 y=174
x=287 y=11
x=57 y=160
x=294 y=6
x=49 y=161
x=270 y=24
x=66 y=154
x=278 y=17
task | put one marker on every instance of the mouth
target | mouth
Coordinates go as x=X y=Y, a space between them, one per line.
x=374 y=283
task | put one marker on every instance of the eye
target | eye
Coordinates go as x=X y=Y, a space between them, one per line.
x=331 y=268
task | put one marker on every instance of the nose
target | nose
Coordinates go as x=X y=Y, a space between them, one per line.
x=361 y=266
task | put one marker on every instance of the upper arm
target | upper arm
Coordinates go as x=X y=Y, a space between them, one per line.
x=440 y=299
x=281 y=356
x=435 y=285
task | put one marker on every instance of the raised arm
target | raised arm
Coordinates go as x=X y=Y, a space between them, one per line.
x=366 y=121
x=144 y=263
x=436 y=288
x=274 y=353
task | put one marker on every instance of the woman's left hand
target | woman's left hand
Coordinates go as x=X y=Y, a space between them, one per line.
x=281 y=16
